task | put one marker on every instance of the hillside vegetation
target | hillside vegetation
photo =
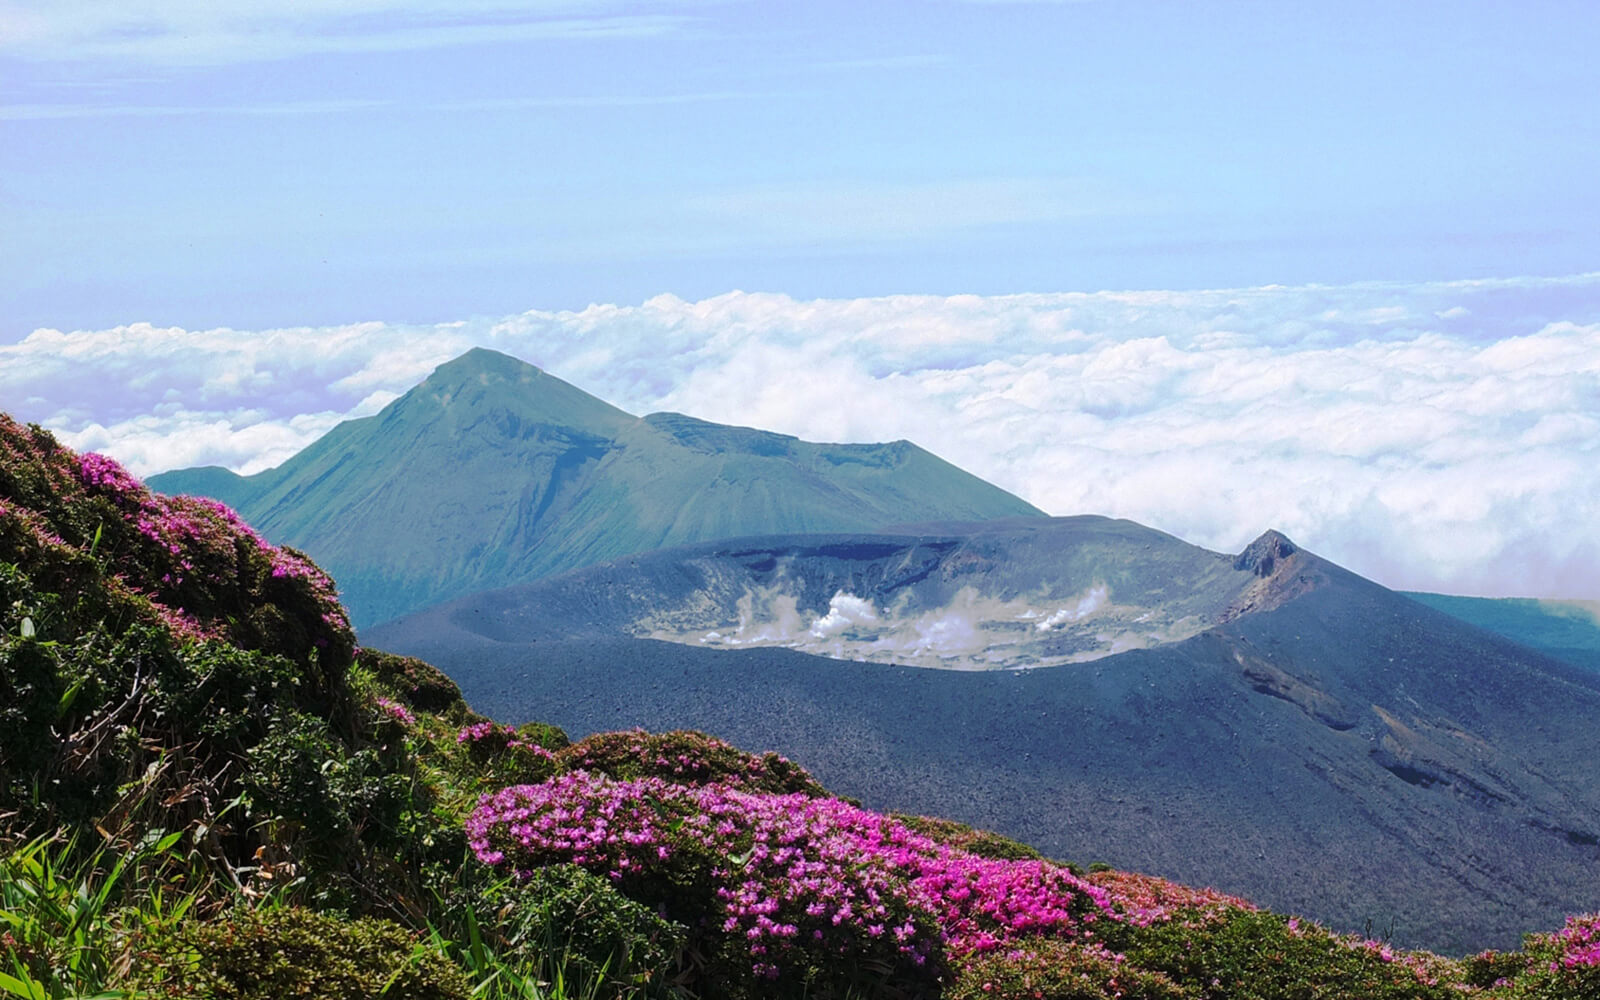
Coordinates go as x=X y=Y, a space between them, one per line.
x=206 y=790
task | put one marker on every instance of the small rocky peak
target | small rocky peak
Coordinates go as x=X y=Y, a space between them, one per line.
x=1262 y=556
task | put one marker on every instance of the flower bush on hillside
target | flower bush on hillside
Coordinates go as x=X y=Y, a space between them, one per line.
x=784 y=890
x=86 y=530
x=1145 y=899
x=419 y=684
x=801 y=884
x=162 y=664
x=1564 y=965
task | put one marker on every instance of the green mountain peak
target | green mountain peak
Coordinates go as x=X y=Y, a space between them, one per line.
x=492 y=472
x=466 y=388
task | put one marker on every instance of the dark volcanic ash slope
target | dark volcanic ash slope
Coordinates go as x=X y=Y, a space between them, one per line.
x=492 y=472
x=1321 y=744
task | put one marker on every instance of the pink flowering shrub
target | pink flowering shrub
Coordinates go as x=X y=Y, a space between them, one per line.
x=1146 y=899
x=785 y=888
x=779 y=888
x=502 y=755
x=394 y=710
x=1564 y=965
x=150 y=646
x=84 y=528
x=1580 y=945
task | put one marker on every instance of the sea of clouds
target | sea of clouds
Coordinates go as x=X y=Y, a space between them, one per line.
x=1439 y=436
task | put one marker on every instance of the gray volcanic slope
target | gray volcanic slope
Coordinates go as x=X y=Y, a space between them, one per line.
x=1320 y=744
x=492 y=472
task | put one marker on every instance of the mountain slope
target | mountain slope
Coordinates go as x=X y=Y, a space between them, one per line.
x=492 y=472
x=1308 y=738
x=1566 y=630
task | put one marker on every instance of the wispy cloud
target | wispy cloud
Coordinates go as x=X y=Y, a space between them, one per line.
x=45 y=112
x=1437 y=436
x=195 y=32
x=38 y=112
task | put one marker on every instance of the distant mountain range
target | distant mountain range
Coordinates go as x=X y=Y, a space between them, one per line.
x=1266 y=722
x=492 y=472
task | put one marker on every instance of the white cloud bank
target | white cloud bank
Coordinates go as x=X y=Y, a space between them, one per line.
x=1441 y=436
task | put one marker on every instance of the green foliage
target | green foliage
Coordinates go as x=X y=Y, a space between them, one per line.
x=68 y=917
x=336 y=795
x=295 y=952
x=686 y=757
x=1059 y=970
x=413 y=682
x=543 y=734
x=562 y=925
x=1239 y=954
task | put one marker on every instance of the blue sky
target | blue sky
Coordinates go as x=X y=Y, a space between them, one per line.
x=253 y=163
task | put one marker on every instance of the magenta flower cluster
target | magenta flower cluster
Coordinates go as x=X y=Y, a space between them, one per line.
x=104 y=473
x=199 y=541
x=188 y=562
x=396 y=711
x=797 y=879
x=1580 y=944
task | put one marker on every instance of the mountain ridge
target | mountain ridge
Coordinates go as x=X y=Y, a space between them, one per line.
x=501 y=473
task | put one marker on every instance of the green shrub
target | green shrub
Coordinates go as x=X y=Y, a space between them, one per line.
x=414 y=682
x=1059 y=970
x=1493 y=968
x=295 y=952
x=1240 y=954
x=686 y=757
x=562 y=923
x=543 y=734
x=299 y=771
